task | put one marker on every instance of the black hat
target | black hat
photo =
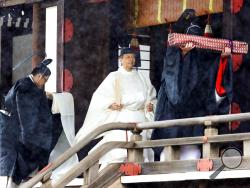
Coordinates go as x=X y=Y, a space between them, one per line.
x=42 y=68
x=184 y=21
x=46 y=62
x=126 y=50
x=194 y=27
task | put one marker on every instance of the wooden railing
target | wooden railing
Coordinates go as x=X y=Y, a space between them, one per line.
x=89 y=165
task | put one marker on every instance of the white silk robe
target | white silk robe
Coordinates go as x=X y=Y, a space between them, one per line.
x=63 y=103
x=134 y=92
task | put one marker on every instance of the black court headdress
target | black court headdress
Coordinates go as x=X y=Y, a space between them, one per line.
x=126 y=50
x=42 y=68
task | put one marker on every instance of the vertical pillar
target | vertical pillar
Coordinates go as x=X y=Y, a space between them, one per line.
x=38 y=34
x=171 y=153
x=246 y=148
x=135 y=155
x=227 y=31
x=92 y=173
x=60 y=45
x=210 y=150
x=46 y=181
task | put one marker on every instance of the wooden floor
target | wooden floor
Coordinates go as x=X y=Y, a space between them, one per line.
x=74 y=183
x=230 y=174
x=233 y=183
x=226 y=179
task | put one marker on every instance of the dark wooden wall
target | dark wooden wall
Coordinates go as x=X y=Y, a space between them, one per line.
x=240 y=31
x=7 y=43
x=86 y=56
x=92 y=51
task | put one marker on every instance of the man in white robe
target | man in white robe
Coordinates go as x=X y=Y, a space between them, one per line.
x=124 y=96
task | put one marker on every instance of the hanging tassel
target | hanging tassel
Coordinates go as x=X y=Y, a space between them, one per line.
x=134 y=44
x=208 y=29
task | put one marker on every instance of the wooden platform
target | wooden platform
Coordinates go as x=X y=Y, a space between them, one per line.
x=184 y=176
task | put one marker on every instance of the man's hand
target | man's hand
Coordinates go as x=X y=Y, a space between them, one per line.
x=187 y=47
x=226 y=52
x=149 y=107
x=49 y=95
x=116 y=106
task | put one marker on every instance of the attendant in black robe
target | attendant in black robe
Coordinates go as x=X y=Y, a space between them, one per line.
x=188 y=88
x=26 y=126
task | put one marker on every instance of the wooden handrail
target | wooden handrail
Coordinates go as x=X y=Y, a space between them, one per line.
x=88 y=161
x=214 y=119
x=134 y=126
x=107 y=176
x=192 y=140
x=71 y=151
x=93 y=157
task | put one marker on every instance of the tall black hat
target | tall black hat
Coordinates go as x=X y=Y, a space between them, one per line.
x=126 y=50
x=194 y=28
x=42 y=68
x=184 y=21
x=188 y=23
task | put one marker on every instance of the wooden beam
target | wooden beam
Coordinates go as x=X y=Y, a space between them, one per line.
x=46 y=182
x=71 y=151
x=107 y=176
x=195 y=121
x=171 y=153
x=232 y=178
x=60 y=45
x=228 y=17
x=210 y=150
x=38 y=34
x=135 y=155
x=7 y=3
x=93 y=172
x=246 y=147
x=88 y=161
x=192 y=140
x=185 y=166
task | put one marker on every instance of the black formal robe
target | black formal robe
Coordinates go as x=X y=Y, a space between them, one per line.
x=26 y=135
x=188 y=90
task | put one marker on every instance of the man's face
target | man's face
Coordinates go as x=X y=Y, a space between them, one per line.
x=128 y=61
x=40 y=80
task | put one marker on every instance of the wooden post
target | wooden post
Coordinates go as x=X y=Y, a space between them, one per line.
x=38 y=34
x=85 y=178
x=246 y=148
x=171 y=153
x=210 y=150
x=227 y=22
x=135 y=155
x=92 y=173
x=60 y=45
x=46 y=181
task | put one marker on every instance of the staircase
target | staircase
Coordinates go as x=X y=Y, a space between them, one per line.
x=171 y=172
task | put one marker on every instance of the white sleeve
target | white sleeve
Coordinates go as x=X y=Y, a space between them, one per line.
x=102 y=98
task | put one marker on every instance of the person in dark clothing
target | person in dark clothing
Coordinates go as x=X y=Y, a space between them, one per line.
x=188 y=90
x=26 y=126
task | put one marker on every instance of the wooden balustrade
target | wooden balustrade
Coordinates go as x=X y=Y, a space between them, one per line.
x=89 y=165
x=176 y=166
x=210 y=150
x=135 y=155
